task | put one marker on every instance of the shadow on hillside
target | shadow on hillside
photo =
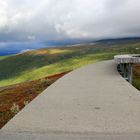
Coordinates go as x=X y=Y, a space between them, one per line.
x=13 y=66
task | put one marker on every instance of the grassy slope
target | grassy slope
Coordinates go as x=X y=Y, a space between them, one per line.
x=44 y=62
x=136 y=82
x=3 y=57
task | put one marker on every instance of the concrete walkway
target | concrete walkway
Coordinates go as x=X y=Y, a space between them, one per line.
x=91 y=100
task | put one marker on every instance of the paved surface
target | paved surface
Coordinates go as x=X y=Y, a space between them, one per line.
x=44 y=136
x=91 y=100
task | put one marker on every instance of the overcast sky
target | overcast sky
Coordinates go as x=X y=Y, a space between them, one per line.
x=23 y=20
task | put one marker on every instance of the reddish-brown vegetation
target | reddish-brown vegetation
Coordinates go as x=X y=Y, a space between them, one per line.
x=21 y=93
x=137 y=70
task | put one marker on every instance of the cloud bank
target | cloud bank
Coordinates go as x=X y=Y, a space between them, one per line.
x=63 y=19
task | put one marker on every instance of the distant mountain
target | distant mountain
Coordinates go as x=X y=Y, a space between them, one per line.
x=67 y=42
x=8 y=48
x=118 y=40
x=18 y=47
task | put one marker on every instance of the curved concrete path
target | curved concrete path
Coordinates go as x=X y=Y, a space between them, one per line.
x=91 y=100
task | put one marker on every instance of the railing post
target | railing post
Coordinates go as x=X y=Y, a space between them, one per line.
x=130 y=73
x=125 y=70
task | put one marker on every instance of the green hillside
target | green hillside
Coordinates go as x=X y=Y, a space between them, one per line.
x=44 y=62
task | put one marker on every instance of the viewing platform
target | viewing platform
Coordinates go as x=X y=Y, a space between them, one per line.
x=126 y=59
x=125 y=65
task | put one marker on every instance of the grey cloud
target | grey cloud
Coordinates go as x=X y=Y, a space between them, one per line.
x=62 y=19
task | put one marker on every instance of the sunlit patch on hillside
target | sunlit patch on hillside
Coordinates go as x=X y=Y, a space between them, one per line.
x=47 y=52
x=59 y=51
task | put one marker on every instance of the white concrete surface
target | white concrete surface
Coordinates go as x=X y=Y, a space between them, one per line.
x=127 y=58
x=92 y=99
